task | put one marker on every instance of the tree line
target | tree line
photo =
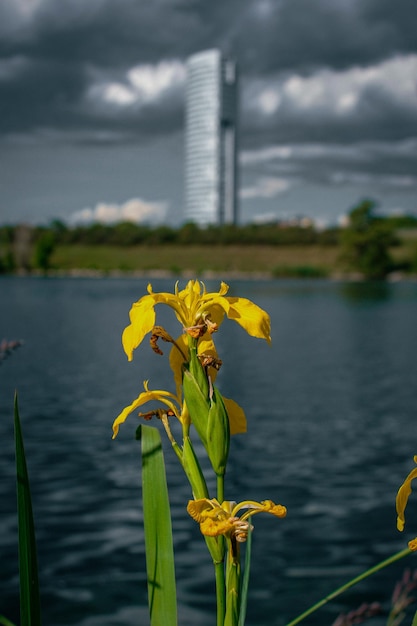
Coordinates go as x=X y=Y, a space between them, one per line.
x=130 y=234
x=365 y=241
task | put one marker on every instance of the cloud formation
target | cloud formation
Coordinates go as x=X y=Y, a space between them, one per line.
x=328 y=89
x=135 y=210
x=330 y=69
x=265 y=187
x=142 y=85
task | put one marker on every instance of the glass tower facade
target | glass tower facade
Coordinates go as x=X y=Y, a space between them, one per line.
x=211 y=139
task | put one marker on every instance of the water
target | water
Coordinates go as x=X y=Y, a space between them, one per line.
x=331 y=412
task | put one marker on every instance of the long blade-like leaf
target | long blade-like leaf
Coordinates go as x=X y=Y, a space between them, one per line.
x=245 y=581
x=158 y=530
x=30 y=612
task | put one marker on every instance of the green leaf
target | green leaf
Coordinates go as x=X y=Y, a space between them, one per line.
x=197 y=403
x=414 y=623
x=245 y=581
x=158 y=530
x=5 y=622
x=232 y=592
x=193 y=470
x=30 y=613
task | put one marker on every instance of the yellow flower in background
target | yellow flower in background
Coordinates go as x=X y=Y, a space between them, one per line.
x=403 y=494
x=412 y=545
x=197 y=311
x=165 y=397
x=222 y=519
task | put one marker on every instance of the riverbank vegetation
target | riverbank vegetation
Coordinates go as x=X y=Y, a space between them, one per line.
x=369 y=246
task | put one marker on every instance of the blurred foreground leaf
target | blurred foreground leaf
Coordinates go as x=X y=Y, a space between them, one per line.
x=30 y=613
x=158 y=530
x=5 y=622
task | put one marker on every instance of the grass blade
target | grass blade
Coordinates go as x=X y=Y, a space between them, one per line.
x=158 y=530
x=30 y=612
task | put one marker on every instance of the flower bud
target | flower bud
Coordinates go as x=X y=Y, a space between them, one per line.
x=218 y=433
x=208 y=412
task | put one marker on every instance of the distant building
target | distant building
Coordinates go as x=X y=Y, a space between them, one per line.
x=211 y=139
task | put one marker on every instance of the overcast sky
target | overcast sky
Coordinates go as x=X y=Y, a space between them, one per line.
x=92 y=105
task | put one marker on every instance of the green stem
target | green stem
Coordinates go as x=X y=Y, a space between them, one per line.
x=351 y=583
x=220 y=488
x=220 y=592
x=219 y=567
x=232 y=585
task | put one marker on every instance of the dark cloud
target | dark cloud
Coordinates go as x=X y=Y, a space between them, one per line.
x=51 y=53
x=102 y=33
x=299 y=35
x=383 y=164
x=372 y=120
x=40 y=93
x=61 y=46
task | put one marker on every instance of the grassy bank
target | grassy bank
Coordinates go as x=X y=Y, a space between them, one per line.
x=304 y=260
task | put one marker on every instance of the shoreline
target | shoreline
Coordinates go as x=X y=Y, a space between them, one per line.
x=75 y=273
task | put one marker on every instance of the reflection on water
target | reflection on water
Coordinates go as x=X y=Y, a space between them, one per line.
x=367 y=291
x=329 y=409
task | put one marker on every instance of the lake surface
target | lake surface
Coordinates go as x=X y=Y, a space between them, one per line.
x=331 y=410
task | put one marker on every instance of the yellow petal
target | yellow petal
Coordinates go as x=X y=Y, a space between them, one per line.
x=142 y=320
x=224 y=288
x=176 y=362
x=215 y=304
x=165 y=397
x=215 y=527
x=206 y=346
x=253 y=507
x=216 y=310
x=402 y=497
x=188 y=299
x=172 y=300
x=251 y=317
x=275 y=509
x=412 y=545
x=237 y=417
x=198 y=509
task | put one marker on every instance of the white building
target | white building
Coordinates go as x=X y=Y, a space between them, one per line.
x=211 y=139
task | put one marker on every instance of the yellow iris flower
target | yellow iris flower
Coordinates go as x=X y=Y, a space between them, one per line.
x=401 y=501
x=165 y=397
x=194 y=307
x=222 y=519
x=196 y=310
x=237 y=418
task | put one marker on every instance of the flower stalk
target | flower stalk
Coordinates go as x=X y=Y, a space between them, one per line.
x=351 y=583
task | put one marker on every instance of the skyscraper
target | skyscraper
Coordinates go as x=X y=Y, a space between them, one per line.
x=211 y=139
